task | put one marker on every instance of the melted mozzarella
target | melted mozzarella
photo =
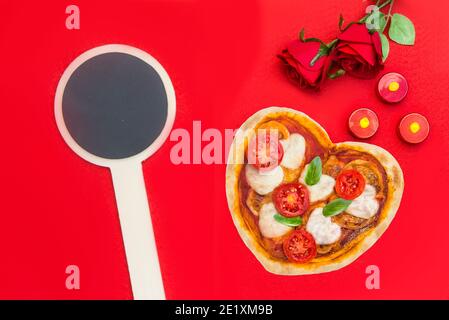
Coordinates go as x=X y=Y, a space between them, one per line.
x=322 y=189
x=294 y=150
x=269 y=227
x=364 y=206
x=323 y=230
x=263 y=182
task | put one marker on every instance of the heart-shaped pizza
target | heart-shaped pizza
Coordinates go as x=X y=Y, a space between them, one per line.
x=303 y=204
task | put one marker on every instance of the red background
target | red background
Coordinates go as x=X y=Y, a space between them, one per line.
x=56 y=209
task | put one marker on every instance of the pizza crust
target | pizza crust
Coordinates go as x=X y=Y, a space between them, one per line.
x=395 y=184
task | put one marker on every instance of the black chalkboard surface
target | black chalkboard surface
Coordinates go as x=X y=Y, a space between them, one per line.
x=114 y=105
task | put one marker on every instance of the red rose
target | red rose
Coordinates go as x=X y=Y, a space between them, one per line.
x=297 y=58
x=359 y=52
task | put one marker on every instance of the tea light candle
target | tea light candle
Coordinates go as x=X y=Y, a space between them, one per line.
x=392 y=87
x=363 y=123
x=414 y=128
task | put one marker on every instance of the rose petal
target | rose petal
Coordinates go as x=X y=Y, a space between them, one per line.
x=298 y=74
x=327 y=65
x=356 y=57
x=345 y=48
x=366 y=51
x=311 y=77
x=304 y=52
x=377 y=45
x=356 y=33
x=288 y=59
x=293 y=74
x=359 y=70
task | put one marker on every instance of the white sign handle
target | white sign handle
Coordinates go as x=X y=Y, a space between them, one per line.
x=137 y=232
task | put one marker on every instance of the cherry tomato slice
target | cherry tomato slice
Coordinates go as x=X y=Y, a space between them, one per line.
x=350 y=184
x=291 y=199
x=265 y=152
x=300 y=246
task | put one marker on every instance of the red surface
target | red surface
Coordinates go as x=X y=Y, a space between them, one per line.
x=57 y=209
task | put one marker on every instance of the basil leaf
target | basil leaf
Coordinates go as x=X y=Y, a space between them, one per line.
x=314 y=171
x=402 y=30
x=335 y=207
x=385 y=46
x=291 y=222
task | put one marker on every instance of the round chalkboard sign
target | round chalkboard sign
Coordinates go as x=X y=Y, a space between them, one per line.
x=115 y=106
x=115 y=102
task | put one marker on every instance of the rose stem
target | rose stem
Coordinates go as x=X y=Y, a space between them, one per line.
x=385 y=3
x=389 y=12
x=378 y=7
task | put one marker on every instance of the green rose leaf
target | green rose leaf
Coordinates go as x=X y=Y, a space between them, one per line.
x=336 y=74
x=385 y=46
x=335 y=207
x=323 y=51
x=291 y=222
x=301 y=35
x=340 y=22
x=303 y=38
x=314 y=171
x=376 y=21
x=402 y=30
x=382 y=22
